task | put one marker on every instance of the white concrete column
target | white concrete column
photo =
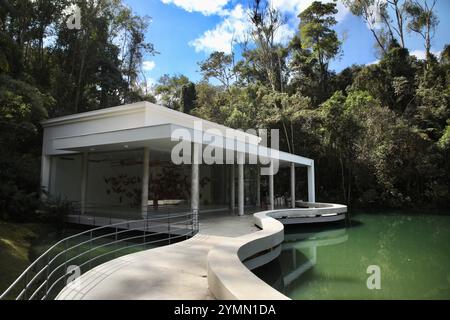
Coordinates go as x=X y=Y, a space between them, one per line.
x=84 y=181
x=226 y=179
x=145 y=180
x=46 y=162
x=311 y=184
x=292 y=185
x=232 y=189
x=271 y=188
x=195 y=183
x=241 y=184
x=258 y=187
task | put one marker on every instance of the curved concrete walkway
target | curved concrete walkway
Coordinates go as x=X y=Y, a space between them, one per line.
x=213 y=264
x=176 y=271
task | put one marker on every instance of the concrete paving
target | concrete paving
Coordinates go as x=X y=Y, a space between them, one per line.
x=177 y=271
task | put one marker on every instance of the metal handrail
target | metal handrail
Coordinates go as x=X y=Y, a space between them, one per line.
x=32 y=277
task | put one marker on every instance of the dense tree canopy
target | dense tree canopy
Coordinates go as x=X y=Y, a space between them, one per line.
x=383 y=129
x=380 y=133
x=49 y=69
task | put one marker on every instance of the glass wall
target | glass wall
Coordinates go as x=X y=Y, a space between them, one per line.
x=65 y=177
x=114 y=184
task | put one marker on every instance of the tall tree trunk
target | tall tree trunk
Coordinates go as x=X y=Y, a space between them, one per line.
x=80 y=88
x=286 y=134
x=399 y=17
x=428 y=42
x=378 y=41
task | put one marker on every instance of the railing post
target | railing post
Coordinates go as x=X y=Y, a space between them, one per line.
x=168 y=225
x=90 y=249
x=192 y=225
x=65 y=244
x=186 y=225
x=144 y=243
x=117 y=244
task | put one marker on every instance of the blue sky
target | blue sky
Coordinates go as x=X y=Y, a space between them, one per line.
x=186 y=31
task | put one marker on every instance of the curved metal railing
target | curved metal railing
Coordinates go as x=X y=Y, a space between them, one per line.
x=55 y=268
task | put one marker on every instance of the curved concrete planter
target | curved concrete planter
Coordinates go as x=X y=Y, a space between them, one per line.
x=229 y=264
x=313 y=212
x=229 y=278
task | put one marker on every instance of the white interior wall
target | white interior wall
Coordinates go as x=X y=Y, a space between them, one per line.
x=114 y=180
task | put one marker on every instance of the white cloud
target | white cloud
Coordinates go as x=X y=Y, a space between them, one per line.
x=147 y=85
x=206 y=7
x=235 y=25
x=373 y=62
x=295 y=7
x=148 y=65
x=233 y=28
x=283 y=34
x=150 y=82
x=421 y=55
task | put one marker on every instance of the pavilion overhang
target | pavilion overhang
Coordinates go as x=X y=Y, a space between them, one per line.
x=160 y=138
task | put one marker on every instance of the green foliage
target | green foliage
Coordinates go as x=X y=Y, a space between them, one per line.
x=316 y=30
x=47 y=69
x=54 y=210
x=316 y=23
x=381 y=131
x=22 y=106
x=169 y=89
x=379 y=134
x=422 y=20
x=188 y=97
x=444 y=141
x=218 y=66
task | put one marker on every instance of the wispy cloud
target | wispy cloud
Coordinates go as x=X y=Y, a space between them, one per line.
x=148 y=65
x=206 y=7
x=295 y=7
x=235 y=24
x=234 y=27
x=421 y=54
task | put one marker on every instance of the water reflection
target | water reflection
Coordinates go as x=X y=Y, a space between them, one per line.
x=330 y=262
x=299 y=254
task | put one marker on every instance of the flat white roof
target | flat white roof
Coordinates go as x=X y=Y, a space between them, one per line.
x=146 y=124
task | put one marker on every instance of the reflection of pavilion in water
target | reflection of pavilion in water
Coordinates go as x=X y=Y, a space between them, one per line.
x=298 y=255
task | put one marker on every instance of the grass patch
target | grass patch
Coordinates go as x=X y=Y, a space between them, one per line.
x=16 y=242
x=23 y=243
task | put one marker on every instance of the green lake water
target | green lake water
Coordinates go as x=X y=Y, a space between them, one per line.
x=330 y=262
